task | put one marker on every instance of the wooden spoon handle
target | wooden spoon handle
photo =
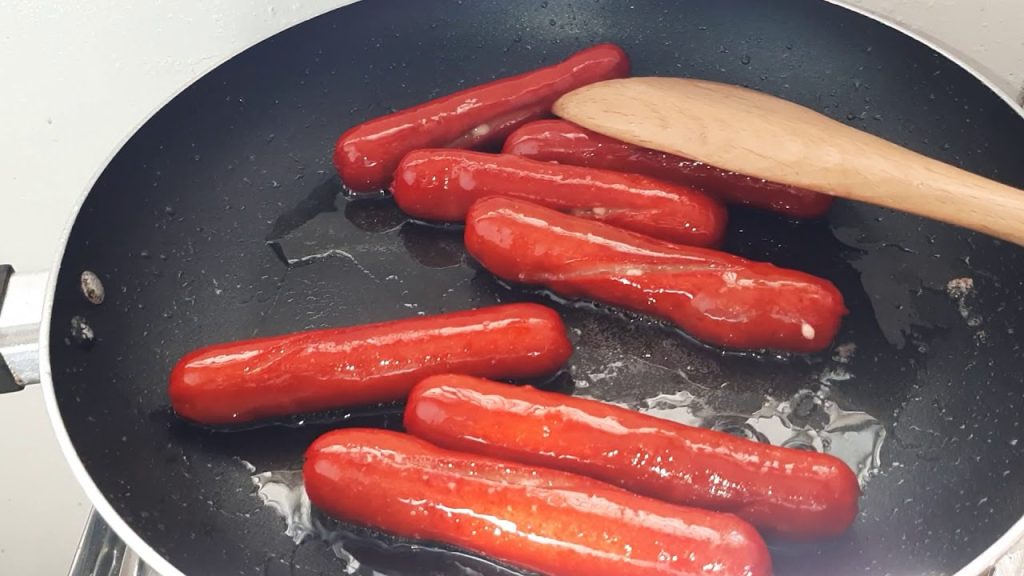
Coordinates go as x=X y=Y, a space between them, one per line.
x=763 y=136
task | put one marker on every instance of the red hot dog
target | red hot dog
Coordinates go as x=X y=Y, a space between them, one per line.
x=566 y=143
x=718 y=298
x=785 y=492
x=366 y=155
x=358 y=365
x=438 y=184
x=535 y=518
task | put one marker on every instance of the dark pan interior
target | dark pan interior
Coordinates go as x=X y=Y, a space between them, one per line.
x=177 y=229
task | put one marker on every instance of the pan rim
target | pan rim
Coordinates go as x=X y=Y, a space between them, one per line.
x=984 y=561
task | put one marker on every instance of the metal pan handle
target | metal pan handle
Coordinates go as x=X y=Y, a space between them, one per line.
x=102 y=553
x=21 y=311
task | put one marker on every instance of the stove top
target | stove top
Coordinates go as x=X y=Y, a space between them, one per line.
x=102 y=553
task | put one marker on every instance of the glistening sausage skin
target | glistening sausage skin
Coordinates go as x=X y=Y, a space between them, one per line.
x=367 y=154
x=784 y=492
x=441 y=184
x=718 y=298
x=539 y=519
x=338 y=367
x=566 y=143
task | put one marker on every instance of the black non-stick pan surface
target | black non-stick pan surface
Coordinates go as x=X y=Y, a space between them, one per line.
x=192 y=223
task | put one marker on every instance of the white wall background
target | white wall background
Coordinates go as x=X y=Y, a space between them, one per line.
x=987 y=34
x=77 y=77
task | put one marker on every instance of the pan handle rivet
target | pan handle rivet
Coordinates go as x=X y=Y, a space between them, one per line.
x=92 y=287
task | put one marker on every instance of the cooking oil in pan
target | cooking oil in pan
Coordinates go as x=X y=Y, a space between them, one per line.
x=363 y=552
x=809 y=420
x=620 y=358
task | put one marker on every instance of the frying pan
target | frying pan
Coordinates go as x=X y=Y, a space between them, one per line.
x=221 y=219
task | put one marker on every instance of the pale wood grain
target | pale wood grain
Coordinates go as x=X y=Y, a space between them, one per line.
x=757 y=134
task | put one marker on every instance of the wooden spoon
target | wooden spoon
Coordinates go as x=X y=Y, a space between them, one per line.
x=753 y=133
